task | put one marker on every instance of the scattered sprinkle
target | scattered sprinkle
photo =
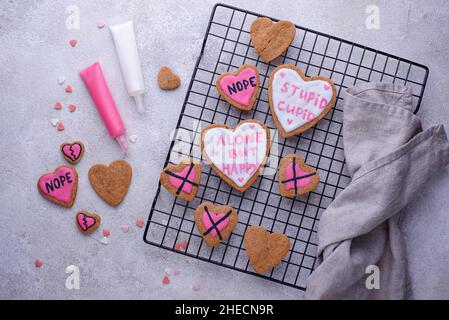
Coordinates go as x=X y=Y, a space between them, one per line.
x=58 y=105
x=104 y=240
x=101 y=23
x=176 y=272
x=106 y=232
x=61 y=80
x=166 y=280
x=69 y=89
x=38 y=263
x=72 y=107
x=54 y=122
x=60 y=126
x=133 y=138
x=140 y=223
x=196 y=287
x=125 y=228
x=181 y=245
x=168 y=271
x=73 y=42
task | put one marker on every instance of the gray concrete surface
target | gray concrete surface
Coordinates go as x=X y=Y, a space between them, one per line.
x=34 y=51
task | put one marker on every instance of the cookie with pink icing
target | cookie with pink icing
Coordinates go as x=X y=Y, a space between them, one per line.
x=72 y=151
x=298 y=102
x=236 y=155
x=296 y=177
x=87 y=222
x=182 y=179
x=240 y=88
x=59 y=186
x=214 y=222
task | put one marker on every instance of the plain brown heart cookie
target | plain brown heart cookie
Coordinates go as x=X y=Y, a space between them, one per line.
x=271 y=39
x=265 y=250
x=296 y=177
x=215 y=223
x=111 y=182
x=182 y=179
x=167 y=79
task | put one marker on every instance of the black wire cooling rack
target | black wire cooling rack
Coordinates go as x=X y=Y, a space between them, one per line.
x=226 y=47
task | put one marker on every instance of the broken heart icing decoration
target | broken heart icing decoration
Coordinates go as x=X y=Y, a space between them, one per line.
x=296 y=177
x=72 y=151
x=87 y=222
x=182 y=179
x=215 y=223
x=240 y=88
x=59 y=186
x=237 y=154
x=298 y=102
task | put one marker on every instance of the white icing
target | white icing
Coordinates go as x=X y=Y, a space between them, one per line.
x=248 y=141
x=286 y=96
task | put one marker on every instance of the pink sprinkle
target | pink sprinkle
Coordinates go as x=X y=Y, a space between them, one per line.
x=140 y=223
x=101 y=24
x=72 y=107
x=196 y=287
x=69 y=89
x=125 y=228
x=38 y=263
x=60 y=126
x=73 y=42
x=166 y=280
x=106 y=232
x=176 y=272
x=181 y=245
x=58 y=105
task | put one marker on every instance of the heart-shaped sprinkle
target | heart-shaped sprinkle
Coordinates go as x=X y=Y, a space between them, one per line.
x=38 y=263
x=73 y=43
x=58 y=105
x=240 y=88
x=215 y=223
x=167 y=79
x=60 y=126
x=72 y=107
x=296 y=177
x=297 y=102
x=68 y=89
x=87 y=222
x=59 y=186
x=182 y=179
x=101 y=23
x=72 y=151
x=241 y=151
x=140 y=223
x=166 y=280
x=106 y=232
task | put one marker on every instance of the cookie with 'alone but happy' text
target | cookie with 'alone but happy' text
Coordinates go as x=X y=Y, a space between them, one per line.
x=182 y=179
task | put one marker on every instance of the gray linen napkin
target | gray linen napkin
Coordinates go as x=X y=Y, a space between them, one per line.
x=389 y=158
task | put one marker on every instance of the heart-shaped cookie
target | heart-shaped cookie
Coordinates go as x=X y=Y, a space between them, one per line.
x=167 y=79
x=215 y=223
x=87 y=222
x=296 y=177
x=60 y=186
x=271 y=39
x=182 y=179
x=298 y=102
x=236 y=155
x=240 y=88
x=72 y=151
x=111 y=182
x=265 y=250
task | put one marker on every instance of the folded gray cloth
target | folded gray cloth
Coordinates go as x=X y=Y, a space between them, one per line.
x=389 y=158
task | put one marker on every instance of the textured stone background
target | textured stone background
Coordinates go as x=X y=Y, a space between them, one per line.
x=34 y=52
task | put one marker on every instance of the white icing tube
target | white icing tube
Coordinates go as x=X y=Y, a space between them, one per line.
x=126 y=47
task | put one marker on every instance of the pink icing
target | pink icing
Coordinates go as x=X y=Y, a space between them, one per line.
x=240 y=88
x=59 y=184
x=176 y=182
x=300 y=183
x=215 y=217
x=84 y=221
x=72 y=151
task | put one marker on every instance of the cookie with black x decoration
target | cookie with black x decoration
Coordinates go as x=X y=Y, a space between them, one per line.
x=182 y=179
x=296 y=177
x=215 y=223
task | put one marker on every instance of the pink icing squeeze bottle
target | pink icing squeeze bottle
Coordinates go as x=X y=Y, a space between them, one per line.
x=99 y=91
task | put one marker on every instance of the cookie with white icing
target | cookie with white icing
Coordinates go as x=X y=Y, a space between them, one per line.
x=298 y=102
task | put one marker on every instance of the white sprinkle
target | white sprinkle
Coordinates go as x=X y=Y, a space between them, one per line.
x=168 y=271
x=133 y=138
x=54 y=122
x=61 y=80
x=104 y=240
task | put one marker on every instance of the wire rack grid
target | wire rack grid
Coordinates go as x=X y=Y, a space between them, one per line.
x=226 y=47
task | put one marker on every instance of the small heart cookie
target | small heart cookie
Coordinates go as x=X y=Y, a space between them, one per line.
x=240 y=88
x=60 y=186
x=265 y=250
x=215 y=223
x=167 y=79
x=87 y=222
x=298 y=102
x=111 y=182
x=236 y=155
x=182 y=179
x=72 y=151
x=296 y=177
x=271 y=39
